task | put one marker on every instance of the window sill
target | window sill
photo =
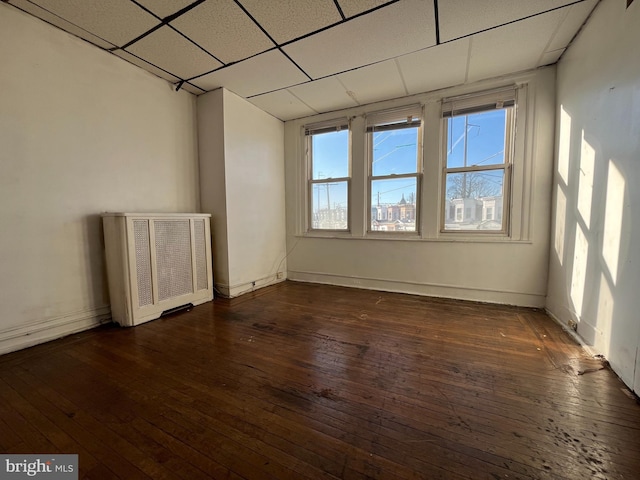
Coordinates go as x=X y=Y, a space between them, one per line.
x=412 y=237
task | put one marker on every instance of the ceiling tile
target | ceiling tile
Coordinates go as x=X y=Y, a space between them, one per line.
x=116 y=21
x=576 y=16
x=171 y=51
x=146 y=66
x=511 y=48
x=222 y=28
x=53 y=19
x=549 y=58
x=282 y=105
x=354 y=7
x=164 y=8
x=423 y=71
x=262 y=73
x=464 y=17
x=374 y=83
x=371 y=38
x=289 y=19
x=324 y=95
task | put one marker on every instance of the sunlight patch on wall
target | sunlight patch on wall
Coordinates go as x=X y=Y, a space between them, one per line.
x=561 y=219
x=613 y=220
x=585 y=180
x=579 y=274
x=564 y=145
x=604 y=316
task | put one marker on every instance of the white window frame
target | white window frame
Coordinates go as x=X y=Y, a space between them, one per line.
x=334 y=125
x=477 y=103
x=413 y=116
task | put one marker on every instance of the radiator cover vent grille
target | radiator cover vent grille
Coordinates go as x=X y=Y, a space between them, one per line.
x=173 y=258
x=143 y=262
x=200 y=238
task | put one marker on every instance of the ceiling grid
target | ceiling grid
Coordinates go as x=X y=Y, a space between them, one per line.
x=293 y=58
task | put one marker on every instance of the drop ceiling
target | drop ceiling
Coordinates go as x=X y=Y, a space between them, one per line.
x=294 y=58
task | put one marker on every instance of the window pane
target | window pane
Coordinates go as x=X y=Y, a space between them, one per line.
x=474 y=200
x=395 y=152
x=330 y=155
x=477 y=139
x=329 y=209
x=393 y=205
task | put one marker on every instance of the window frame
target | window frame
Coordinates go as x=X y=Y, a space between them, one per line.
x=389 y=120
x=504 y=99
x=335 y=125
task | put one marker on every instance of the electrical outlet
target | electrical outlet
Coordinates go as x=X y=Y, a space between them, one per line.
x=279 y=275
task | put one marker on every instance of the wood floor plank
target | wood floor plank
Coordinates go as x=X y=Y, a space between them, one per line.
x=308 y=381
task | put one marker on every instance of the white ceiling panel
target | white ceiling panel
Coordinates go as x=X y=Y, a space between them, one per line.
x=423 y=71
x=260 y=74
x=324 y=95
x=116 y=21
x=282 y=104
x=371 y=38
x=45 y=15
x=576 y=16
x=354 y=7
x=222 y=28
x=549 y=58
x=164 y=8
x=289 y=19
x=464 y=17
x=384 y=49
x=377 y=82
x=511 y=48
x=171 y=51
x=147 y=66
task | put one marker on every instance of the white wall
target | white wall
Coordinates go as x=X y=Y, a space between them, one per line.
x=242 y=182
x=493 y=270
x=81 y=132
x=595 y=260
x=254 y=151
x=213 y=193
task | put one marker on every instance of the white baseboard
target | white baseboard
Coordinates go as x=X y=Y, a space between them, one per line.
x=34 y=333
x=572 y=333
x=521 y=299
x=232 y=291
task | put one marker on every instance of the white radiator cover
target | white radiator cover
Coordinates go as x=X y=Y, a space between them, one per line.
x=156 y=262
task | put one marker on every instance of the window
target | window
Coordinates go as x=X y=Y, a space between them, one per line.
x=443 y=169
x=477 y=162
x=395 y=168
x=328 y=149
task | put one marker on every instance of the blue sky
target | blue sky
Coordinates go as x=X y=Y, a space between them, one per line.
x=485 y=137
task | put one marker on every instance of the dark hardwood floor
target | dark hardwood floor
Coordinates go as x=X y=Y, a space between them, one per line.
x=306 y=381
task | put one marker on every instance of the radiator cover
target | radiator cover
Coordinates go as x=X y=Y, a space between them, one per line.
x=155 y=263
